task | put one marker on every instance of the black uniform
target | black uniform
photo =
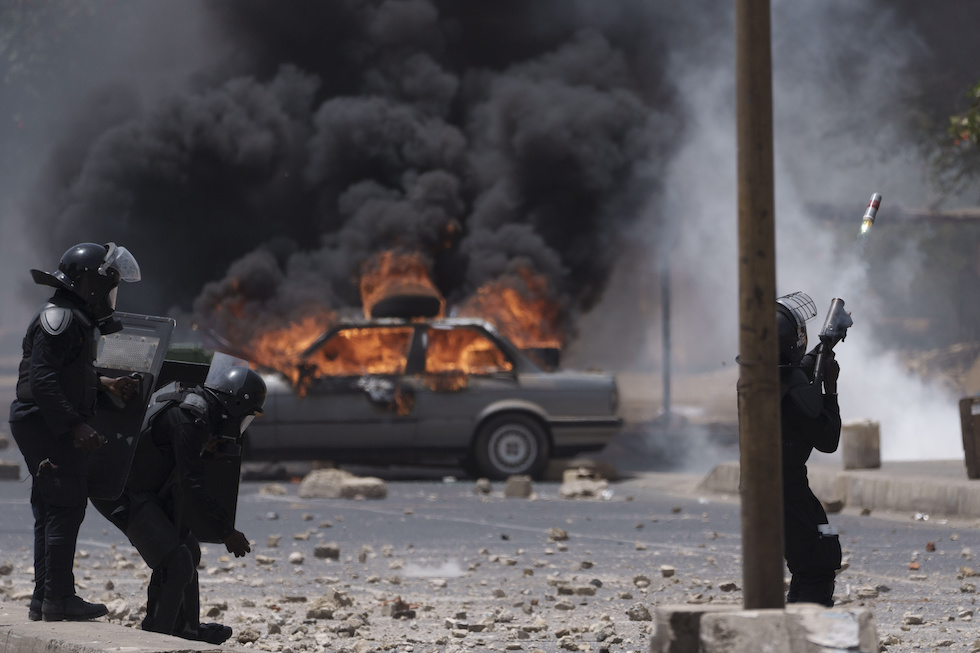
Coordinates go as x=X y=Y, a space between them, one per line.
x=167 y=474
x=57 y=386
x=813 y=552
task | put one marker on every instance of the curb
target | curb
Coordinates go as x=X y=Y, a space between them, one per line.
x=897 y=487
x=19 y=635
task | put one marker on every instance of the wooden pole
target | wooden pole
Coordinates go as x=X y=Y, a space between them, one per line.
x=758 y=386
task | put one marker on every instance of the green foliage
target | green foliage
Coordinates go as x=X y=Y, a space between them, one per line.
x=964 y=129
x=958 y=159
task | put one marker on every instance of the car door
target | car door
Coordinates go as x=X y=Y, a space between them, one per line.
x=464 y=372
x=352 y=394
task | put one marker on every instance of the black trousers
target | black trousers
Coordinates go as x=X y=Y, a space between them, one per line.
x=58 y=499
x=173 y=595
x=813 y=557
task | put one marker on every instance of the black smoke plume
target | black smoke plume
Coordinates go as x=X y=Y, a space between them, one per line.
x=490 y=138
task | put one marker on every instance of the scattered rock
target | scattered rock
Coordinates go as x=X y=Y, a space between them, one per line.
x=398 y=609
x=639 y=612
x=582 y=483
x=339 y=484
x=273 y=490
x=329 y=551
x=248 y=635
x=483 y=486
x=911 y=619
x=517 y=487
x=557 y=535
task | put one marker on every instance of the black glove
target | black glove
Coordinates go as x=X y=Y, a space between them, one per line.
x=237 y=543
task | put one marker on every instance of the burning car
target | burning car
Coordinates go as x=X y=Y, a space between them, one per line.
x=430 y=390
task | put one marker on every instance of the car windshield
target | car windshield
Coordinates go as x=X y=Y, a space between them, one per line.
x=354 y=352
x=463 y=350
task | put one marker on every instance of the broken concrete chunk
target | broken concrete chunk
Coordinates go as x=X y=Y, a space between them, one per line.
x=339 y=484
x=517 y=487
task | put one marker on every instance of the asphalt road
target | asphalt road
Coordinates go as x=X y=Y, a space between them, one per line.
x=452 y=554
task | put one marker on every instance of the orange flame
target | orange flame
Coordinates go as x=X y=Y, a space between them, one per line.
x=279 y=349
x=520 y=307
x=526 y=316
x=390 y=274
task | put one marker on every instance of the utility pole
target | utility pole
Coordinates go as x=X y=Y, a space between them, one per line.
x=758 y=385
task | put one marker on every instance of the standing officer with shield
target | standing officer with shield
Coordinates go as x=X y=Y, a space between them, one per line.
x=181 y=491
x=57 y=390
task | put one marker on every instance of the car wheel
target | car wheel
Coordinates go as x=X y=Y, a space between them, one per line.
x=511 y=444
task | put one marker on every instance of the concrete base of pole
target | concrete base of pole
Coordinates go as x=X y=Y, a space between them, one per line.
x=800 y=628
x=677 y=628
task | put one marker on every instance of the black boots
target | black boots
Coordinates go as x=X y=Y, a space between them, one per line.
x=71 y=608
x=34 y=613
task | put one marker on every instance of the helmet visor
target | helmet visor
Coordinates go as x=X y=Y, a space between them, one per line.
x=245 y=422
x=122 y=261
x=800 y=305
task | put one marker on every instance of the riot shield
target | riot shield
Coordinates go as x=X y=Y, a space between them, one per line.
x=222 y=471
x=137 y=350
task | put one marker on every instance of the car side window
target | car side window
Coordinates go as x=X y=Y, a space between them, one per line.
x=463 y=350
x=356 y=352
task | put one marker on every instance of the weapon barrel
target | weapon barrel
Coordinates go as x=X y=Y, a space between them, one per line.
x=834 y=330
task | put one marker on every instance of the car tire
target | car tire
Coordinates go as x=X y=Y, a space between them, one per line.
x=511 y=444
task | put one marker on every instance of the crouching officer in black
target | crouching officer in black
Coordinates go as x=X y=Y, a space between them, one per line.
x=57 y=390
x=810 y=420
x=167 y=493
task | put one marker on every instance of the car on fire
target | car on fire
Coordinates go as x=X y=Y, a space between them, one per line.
x=428 y=391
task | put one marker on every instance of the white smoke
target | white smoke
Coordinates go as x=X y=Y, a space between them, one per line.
x=834 y=100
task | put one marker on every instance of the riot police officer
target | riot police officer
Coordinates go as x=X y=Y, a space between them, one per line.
x=167 y=492
x=57 y=389
x=810 y=420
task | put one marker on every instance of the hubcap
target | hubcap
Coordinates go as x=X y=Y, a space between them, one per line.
x=512 y=448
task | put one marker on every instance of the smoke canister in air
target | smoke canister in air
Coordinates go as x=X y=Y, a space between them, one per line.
x=870 y=213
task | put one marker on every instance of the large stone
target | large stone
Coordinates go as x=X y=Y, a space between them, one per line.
x=582 y=483
x=677 y=628
x=800 y=628
x=339 y=484
x=517 y=487
x=555 y=471
x=861 y=444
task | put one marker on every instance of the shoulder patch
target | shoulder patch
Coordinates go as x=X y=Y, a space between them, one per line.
x=55 y=319
x=195 y=404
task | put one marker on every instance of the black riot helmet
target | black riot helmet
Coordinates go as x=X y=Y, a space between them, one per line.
x=242 y=393
x=792 y=313
x=93 y=272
